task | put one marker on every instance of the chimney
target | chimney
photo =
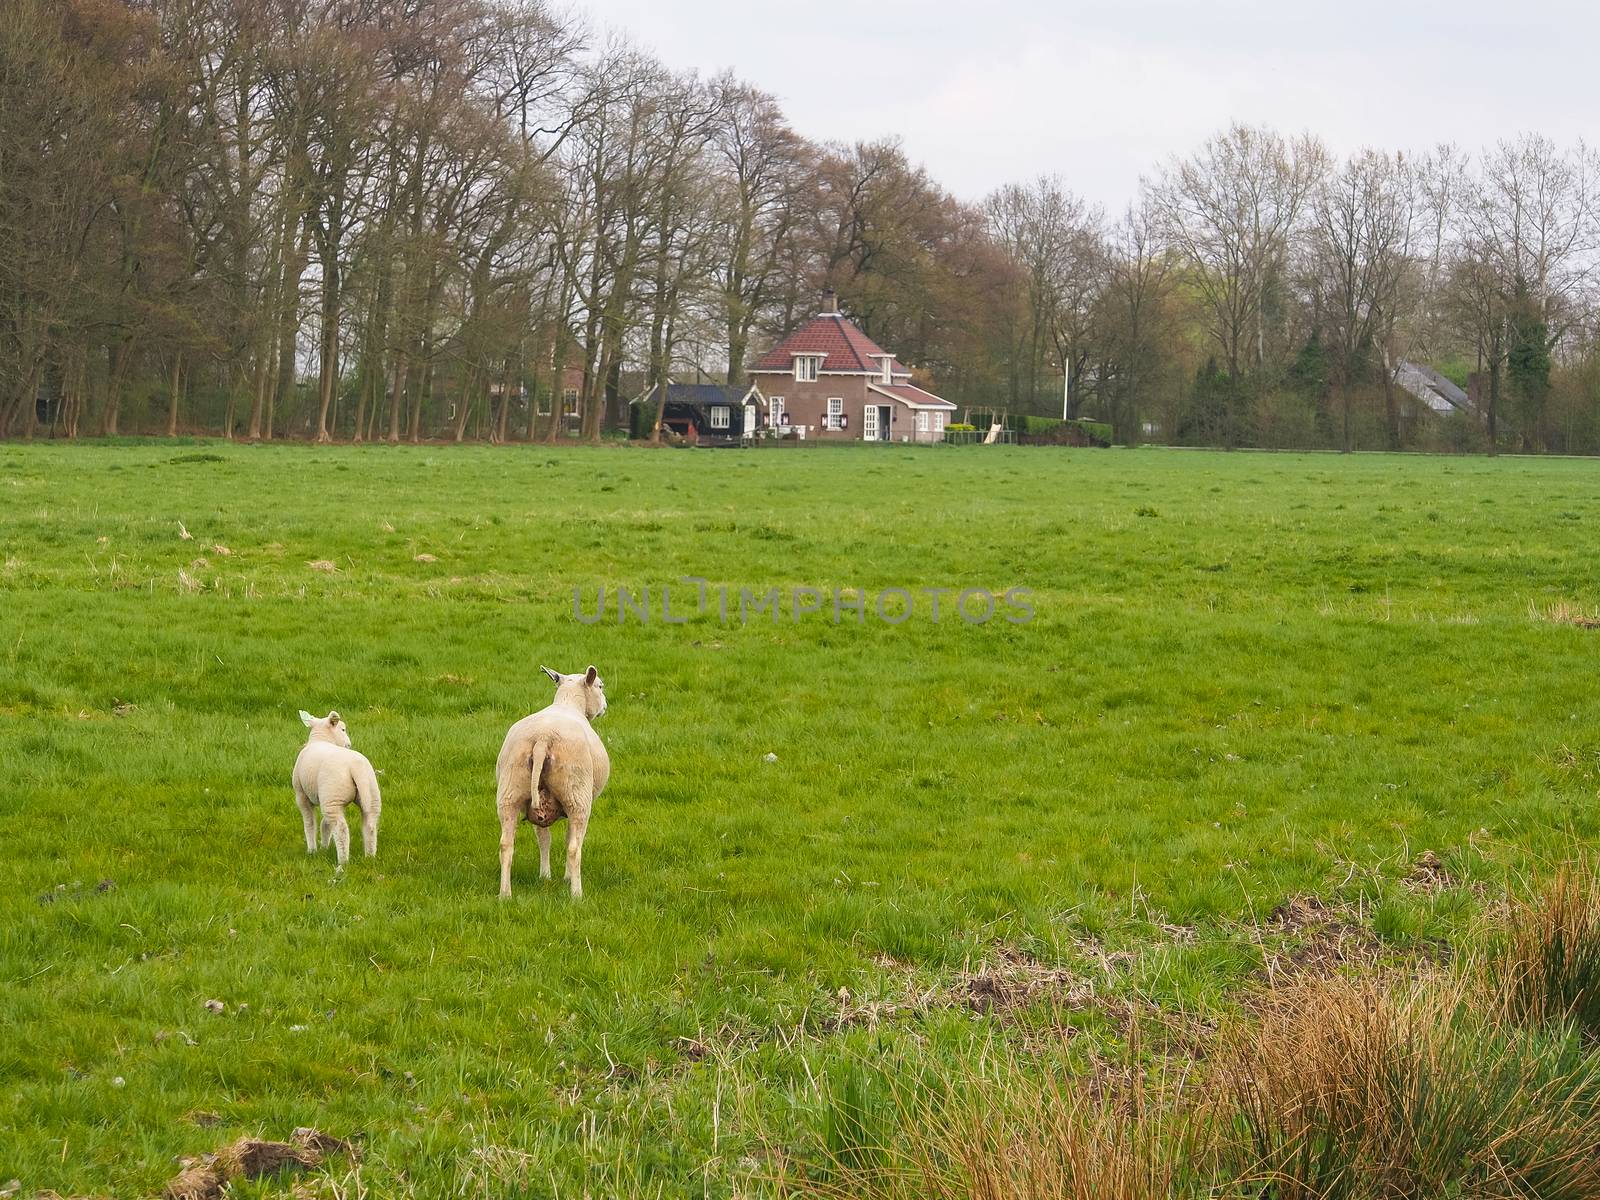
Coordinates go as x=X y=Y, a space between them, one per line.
x=830 y=302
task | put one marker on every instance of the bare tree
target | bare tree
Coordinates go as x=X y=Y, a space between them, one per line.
x=1359 y=247
x=1232 y=211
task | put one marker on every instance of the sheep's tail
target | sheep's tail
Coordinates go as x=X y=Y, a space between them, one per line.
x=536 y=758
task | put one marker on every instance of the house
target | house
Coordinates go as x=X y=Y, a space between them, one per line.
x=705 y=414
x=828 y=380
x=570 y=388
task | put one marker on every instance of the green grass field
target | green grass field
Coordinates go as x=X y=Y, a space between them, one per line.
x=1249 y=676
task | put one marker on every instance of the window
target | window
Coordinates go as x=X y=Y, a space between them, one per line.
x=544 y=404
x=775 y=407
x=719 y=416
x=938 y=422
x=805 y=367
x=922 y=422
x=835 y=412
x=888 y=368
x=569 y=401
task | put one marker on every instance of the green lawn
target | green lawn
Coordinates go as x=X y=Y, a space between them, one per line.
x=1248 y=676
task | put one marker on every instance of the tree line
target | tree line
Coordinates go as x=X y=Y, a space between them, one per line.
x=408 y=219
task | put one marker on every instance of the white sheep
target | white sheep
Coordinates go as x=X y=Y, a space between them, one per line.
x=330 y=775
x=552 y=765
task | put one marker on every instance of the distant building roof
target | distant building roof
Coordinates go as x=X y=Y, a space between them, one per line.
x=1432 y=388
x=834 y=336
x=700 y=395
x=912 y=395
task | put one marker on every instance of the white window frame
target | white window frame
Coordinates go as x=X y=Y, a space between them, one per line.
x=775 y=411
x=807 y=367
x=569 y=401
x=835 y=412
x=888 y=368
x=869 y=423
x=922 y=422
x=938 y=422
x=720 y=416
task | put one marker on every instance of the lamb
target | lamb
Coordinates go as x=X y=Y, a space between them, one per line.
x=329 y=774
x=552 y=765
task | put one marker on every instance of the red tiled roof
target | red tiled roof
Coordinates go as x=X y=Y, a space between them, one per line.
x=845 y=346
x=912 y=395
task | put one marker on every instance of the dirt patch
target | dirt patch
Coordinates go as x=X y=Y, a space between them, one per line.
x=1428 y=876
x=1315 y=939
x=1013 y=979
x=1006 y=981
x=207 y=1178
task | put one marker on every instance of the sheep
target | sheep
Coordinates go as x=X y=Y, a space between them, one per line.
x=552 y=765
x=329 y=774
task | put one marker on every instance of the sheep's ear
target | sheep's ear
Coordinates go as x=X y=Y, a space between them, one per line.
x=555 y=676
x=589 y=675
x=307 y=718
x=333 y=717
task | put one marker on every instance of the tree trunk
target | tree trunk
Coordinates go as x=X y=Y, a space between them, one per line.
x=258 y=397
x=119 y=372
x=1344 y=408
x=288 y=323
x=508 y=381
x=174 y=393
x=1494 y=406
x=397 y=391
x=422 y=393
x=328 y=360
x=464 y=406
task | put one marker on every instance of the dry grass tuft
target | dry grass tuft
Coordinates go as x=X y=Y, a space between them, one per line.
x=1564 y=612
x=1407 y=1084
x=1545 y=965
x=1359 y=1088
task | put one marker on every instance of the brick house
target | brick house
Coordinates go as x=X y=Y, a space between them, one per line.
x=828 y=380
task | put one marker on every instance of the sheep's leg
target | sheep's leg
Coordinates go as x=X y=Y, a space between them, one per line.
x=308 y=816
x=576 y=826
x=369 y=829
x=544 y=850
x=510 y=814
x=338 y=831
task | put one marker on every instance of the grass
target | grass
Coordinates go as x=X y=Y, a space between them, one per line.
x=1249 y=678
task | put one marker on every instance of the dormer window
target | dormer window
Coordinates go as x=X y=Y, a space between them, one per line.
x=888 y=368
x=806 y=367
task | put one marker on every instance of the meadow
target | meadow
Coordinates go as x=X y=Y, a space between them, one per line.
x=1248 y=678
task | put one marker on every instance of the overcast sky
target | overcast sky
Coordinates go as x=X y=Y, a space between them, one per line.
x=987 y=91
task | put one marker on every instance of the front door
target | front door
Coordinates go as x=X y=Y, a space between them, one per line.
x=875 y=423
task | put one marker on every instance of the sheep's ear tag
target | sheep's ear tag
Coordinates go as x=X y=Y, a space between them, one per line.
x=555 y=676
x=307 y=718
